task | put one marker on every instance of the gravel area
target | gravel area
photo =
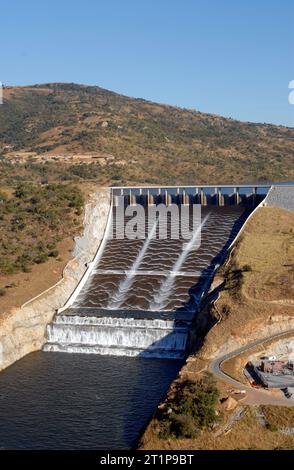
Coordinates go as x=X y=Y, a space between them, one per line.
x=281 y=196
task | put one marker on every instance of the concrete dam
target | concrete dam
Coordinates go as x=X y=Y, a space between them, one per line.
x=140 y=295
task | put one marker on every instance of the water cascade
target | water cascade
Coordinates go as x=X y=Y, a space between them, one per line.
x=117 y=336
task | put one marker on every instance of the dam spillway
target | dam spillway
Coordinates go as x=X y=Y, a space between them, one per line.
x=142 y=294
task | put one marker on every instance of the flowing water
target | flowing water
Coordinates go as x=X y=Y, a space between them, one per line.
x=125 y=259
x=160 y=299
x=117 y=336
x=148 y=280
x=124 y=286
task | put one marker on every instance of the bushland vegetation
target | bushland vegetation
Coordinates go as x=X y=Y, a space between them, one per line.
x=190 y=409
x=33 y=219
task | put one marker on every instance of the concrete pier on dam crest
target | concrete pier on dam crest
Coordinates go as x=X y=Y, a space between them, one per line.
x=244 y=195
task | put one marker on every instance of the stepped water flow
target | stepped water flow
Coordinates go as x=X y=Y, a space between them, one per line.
x=135 y=302
x=119 y=256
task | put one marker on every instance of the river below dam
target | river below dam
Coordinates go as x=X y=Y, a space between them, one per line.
x=111 y=356
x=80 y=401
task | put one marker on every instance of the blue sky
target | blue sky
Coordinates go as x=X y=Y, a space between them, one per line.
x=229 y=57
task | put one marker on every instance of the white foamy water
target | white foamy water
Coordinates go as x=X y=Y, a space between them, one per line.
x=117 y=336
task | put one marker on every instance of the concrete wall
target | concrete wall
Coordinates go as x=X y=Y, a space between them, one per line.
x=281 y=196
x=22 y=330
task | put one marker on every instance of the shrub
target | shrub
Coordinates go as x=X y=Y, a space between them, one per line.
x=53 y=253
x=234 y=280
x=40 y=258
x=23 y=261
x=247 y=268
x=182 y=426
x=51 y=245
x=226 y=310
x=193 y=408
x=7 y=266
x=2 y=292
x=272 y=427
x=35 y=200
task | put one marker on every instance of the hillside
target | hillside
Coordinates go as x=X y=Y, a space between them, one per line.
x=97 y=134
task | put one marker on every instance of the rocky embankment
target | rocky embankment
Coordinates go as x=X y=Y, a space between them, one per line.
x=22 y=330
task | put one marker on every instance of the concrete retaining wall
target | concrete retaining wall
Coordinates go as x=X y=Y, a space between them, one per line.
x=281 y=196
x=22 y=330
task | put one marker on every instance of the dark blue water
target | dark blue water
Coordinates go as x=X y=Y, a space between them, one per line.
x=80 y=401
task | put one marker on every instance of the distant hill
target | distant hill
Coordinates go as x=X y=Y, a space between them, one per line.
x=134 y=140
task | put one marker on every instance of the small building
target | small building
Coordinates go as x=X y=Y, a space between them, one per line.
x=275 y=374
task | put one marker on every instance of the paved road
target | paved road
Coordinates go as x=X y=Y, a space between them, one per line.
x=254 y=396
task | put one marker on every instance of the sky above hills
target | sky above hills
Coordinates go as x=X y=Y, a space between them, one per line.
x=220 y=56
